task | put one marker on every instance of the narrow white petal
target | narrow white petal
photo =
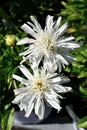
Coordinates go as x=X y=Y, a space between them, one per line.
x=73 y=45
x=59 y=79
x=41 y=111
x=54 y=103
x=21 y=90
x=50 y=63
x=66 y=39
x=39 y=108
x=30 y=108
x=28 y=97
x=36 y=71
x=49 y=25
x=36 y=55
x=64 y=79
x=49 y=66
x=28 y=50
x=53 y=75
x=38 y=26
x=17 y=99
x=49 y=22
x=25 y=41
x=37 y=104
x=52 y=95
x=70 y=45
x=62 y=59
x=57 y=24
x=70 y=58
x=22 y=80
x=56 y=79
x=31 y=98
x=31 y=24
x=26 y=72
x=29 y=30
x=22 y=106
x=30 y=104
x=62 y=89
x=62 y=29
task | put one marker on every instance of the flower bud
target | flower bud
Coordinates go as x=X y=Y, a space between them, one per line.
x=10 y=39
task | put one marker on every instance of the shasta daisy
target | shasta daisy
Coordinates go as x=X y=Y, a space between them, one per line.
x=48 y=44
x=39 y=89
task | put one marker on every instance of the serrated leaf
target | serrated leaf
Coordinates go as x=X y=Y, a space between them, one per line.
x=83 y=122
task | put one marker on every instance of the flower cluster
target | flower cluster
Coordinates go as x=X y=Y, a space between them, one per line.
x=47 y=53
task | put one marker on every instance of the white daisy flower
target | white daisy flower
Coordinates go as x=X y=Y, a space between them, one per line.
x=39 y=89
x=48 y=44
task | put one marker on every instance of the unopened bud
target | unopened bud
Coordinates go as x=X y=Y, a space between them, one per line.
x=10 y=40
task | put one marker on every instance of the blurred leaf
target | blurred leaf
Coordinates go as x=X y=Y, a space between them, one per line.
x=83 y=90
x=82 y=123
x=7 y=119
x=3 y=14
x=75 y=12
x=83 y=74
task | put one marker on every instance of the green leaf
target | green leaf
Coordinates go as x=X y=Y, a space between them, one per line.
x=7 y=119
x=83 y=74
x=83 y=122
x=83 y=90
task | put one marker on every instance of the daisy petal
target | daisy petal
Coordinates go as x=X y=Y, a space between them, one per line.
x=30 y=108
x=17 y=99
x=62 y=29
x=62 y=59
x=25 y=71
x=49 y=21
x=50 y=63
x=25 y=41
x=54 y=103
x=29 y=30
x=38 y=26
x=66 y=39
x=60 y=79
x=30 y=105
x=61 y=89
x=57 y=24
x=22 y=80
x=39 y=108
x=20 y=90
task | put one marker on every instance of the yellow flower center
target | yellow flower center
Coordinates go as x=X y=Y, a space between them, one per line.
x=47 y=39
x=39 y=84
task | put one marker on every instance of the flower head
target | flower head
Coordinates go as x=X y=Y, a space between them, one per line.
x=48 y=44
x=38 y=89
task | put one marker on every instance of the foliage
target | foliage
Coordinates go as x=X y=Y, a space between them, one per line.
x=9 y=61
x=83 y=122
x=76 y=13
